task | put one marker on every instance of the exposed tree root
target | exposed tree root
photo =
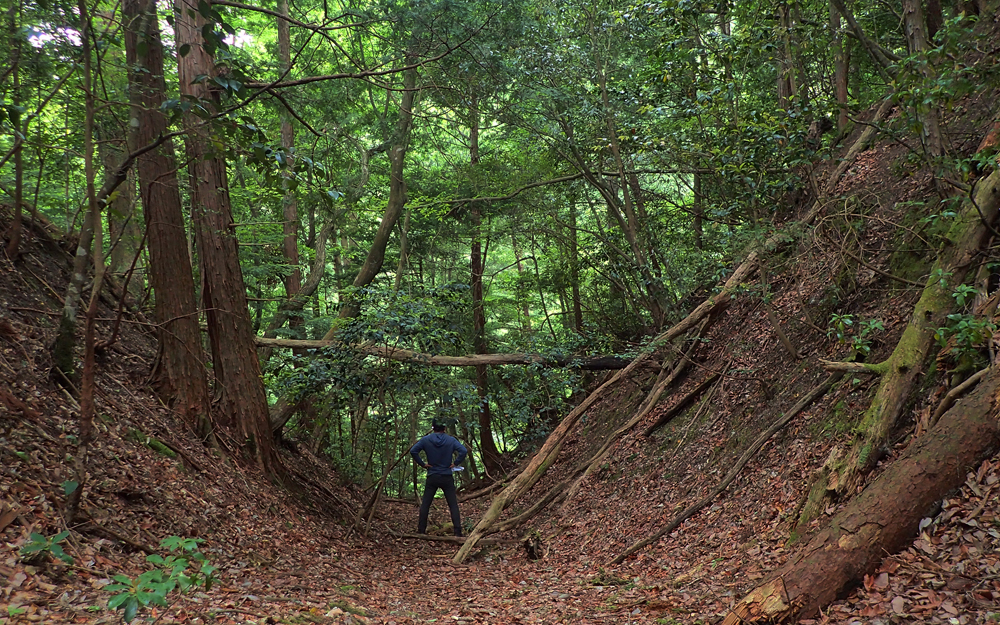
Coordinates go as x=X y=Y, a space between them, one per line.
x=955 y=393
x=757 y=445
x=668 y=375
x=683 y=404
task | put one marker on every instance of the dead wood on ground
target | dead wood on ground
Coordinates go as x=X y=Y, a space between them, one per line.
x=757 y=445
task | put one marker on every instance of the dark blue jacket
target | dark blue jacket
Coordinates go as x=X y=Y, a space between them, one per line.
x=440 y=450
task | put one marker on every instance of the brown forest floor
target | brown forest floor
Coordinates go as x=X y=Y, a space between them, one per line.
x=293 y=559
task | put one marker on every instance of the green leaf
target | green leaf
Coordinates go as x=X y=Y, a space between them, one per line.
x=69 y=486
x=131 y=609
x=184 y=50
x=117 y=601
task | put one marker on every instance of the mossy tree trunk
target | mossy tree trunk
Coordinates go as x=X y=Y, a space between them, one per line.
x=904 y=366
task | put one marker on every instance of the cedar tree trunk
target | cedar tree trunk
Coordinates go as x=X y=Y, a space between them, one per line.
x=178 y=374
x=239 y=390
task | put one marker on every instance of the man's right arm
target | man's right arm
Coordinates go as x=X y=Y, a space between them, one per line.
x=415 y=452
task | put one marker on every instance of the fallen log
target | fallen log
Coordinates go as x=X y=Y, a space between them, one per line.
x=682 y=405
x=884 y=518
x=589 y=363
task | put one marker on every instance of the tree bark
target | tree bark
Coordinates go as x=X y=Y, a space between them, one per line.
x=785 y=62
x=916 y=38
x=239 y=391
x=290 y=229
x=477 y=262
x=14 y=230
x=87 y=390
x=840 y=67
x=179 y=376
x=64 y=347
x=884 y=518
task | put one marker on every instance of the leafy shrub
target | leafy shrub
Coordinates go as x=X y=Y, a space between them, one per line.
x=190 y=567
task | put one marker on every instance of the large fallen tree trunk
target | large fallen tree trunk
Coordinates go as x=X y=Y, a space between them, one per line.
x=901 y=370
x=884 y=518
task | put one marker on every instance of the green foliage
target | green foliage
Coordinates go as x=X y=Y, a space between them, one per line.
x=969 y=332
x=188 y=568
x=858 y=335
x=39 y=545
x=966 y=332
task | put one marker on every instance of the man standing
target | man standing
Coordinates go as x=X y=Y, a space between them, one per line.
x=440 y=450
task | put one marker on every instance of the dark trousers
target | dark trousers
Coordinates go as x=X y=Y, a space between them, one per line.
x=447 y=484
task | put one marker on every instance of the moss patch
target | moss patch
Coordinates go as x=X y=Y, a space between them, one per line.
x=140 y=437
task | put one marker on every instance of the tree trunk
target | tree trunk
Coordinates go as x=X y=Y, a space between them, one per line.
x=785 y=62
x=14 y=231
x=477 y=262
x=178 y=375
x=123 y=232
x=87 y=390
x=290 y=228
x=884 y=518
x=397 y=195
x=64 y=347
x=573 y=261
x=840 y=66
x=404 y=253
x=935 y=18
x=239 y=391
x=917 y=41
